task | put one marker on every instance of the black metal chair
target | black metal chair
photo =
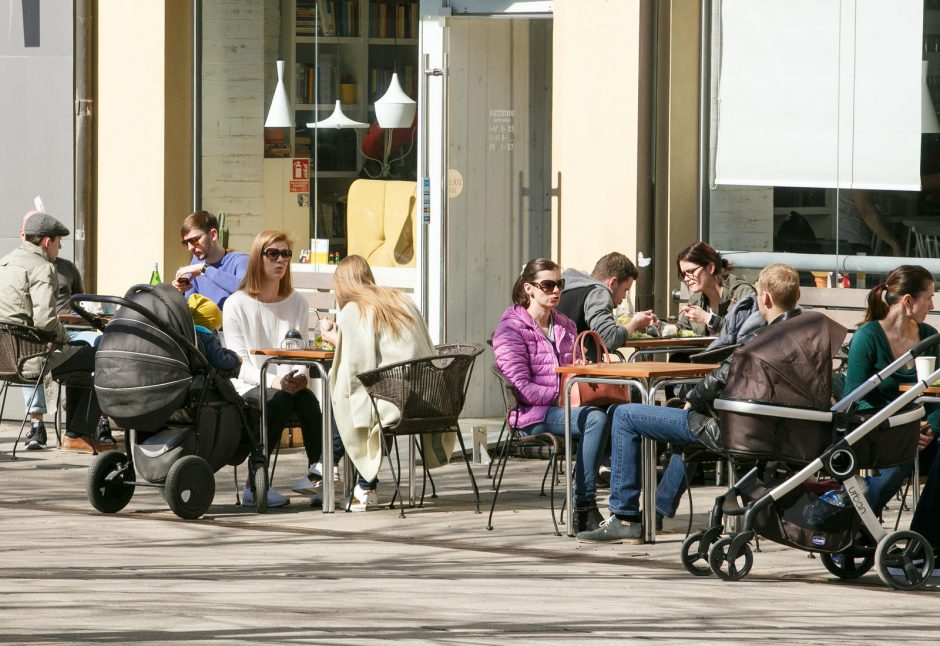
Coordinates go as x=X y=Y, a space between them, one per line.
x=429 y=394
x=554 y=443
x=19 y=345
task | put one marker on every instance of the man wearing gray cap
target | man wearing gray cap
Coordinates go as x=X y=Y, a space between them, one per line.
x=28 y=292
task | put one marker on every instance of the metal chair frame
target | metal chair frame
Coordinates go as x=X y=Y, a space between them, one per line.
x=429 y=393
x=19 y=344
x=554 y=443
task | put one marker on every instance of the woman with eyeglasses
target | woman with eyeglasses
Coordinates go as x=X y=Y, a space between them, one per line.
x=259 y=315
x=532 y=339
x=713 y=289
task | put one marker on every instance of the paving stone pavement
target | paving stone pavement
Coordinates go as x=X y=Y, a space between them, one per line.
x=69 y=574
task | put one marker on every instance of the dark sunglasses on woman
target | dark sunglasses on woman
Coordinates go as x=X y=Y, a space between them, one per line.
x=548 y=286
x=274 y=254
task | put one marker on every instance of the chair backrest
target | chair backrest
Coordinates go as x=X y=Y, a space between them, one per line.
x=510 y=401
x=18 y=344
x=470 y=349
x=429 y=392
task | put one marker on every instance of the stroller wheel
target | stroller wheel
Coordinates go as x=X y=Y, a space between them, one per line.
x=259 y=480
x=107 y=484
x=695 y=553
x=190 y=487
x=731 y=561
x=904 y=560
x=848 y=565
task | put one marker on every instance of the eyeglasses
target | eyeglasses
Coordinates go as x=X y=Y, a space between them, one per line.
x=548 y=286
x=274 y=254
x=690 y=273
x=192 y=240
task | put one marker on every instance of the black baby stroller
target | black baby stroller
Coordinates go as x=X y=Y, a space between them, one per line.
x=183 y=420
x=776 y=413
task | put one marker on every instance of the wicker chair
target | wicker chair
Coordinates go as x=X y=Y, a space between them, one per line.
x=19 y=344
x=429 y=394
x=555 y=444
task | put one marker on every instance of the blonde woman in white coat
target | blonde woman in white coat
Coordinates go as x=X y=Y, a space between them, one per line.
x=377 y=326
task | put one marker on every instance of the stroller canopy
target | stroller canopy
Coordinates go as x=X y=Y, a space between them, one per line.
x=789 y=364
x=142 y=375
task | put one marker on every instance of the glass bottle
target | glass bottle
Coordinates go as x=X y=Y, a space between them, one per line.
x=155 y=274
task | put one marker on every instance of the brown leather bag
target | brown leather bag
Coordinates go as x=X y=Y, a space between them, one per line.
x=601 y=395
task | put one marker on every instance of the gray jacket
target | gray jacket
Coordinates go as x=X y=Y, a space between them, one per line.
x=598 y=308
x=28 y=290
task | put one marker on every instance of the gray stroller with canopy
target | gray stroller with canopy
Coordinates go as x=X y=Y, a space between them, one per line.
x=776 y=413
x=183 y=420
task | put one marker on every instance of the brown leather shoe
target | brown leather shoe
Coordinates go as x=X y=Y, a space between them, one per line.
x=80 y=444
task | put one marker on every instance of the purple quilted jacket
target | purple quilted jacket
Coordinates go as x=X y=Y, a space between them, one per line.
x=528 y=360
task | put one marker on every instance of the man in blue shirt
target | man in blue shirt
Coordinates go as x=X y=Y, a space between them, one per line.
x=215 y=273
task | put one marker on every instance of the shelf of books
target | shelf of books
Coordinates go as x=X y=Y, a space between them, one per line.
x=344 y=50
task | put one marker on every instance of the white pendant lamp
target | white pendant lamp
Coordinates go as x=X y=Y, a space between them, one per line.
x=338 y=120
x=279 y=115
x=395 y=109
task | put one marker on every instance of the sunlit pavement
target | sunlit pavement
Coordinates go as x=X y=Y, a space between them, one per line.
x=295 y=575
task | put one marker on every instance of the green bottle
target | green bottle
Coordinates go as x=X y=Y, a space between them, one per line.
x=155 y=275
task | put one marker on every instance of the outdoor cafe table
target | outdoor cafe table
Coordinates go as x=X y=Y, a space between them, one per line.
x=652 y=347
x=317 y=359
x=647 y=377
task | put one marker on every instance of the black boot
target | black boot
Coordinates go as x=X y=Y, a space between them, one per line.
x=587 y=518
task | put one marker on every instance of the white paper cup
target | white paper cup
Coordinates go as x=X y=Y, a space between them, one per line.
x=925 y=367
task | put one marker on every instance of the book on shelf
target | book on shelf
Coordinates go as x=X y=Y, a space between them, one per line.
x=307 y=18
x=338 y=18
x=393 y=19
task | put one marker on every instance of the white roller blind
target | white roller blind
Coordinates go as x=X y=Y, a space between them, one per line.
x=819 y=93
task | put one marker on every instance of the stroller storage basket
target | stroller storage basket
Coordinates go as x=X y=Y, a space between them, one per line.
x=790 y=521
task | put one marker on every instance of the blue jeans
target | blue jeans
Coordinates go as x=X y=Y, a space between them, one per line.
x=630 y=423
x=38 y=395
x=882 y=487
x=589 y=429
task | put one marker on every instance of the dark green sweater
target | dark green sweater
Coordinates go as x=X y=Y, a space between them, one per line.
x=871 y=352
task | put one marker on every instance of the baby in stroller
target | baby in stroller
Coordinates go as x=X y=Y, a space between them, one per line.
x=184 y=419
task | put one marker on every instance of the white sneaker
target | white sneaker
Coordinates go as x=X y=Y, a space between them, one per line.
x=317 y=469
x=275 y=499
x=364 y=499
x=308 y=485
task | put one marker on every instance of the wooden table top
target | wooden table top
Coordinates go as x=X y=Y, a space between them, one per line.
x=639 y=369
x=669 y=342
x=929 y=390
x=320 y=355
x=75 y=319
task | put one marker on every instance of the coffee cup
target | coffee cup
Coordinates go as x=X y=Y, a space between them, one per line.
x=925 y=367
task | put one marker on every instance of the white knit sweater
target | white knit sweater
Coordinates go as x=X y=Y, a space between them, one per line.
x=248 y=323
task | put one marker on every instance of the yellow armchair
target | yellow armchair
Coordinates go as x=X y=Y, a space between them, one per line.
x=380 y=222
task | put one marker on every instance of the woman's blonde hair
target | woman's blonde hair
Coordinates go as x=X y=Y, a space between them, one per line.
x=254 y=274
x=388 y=309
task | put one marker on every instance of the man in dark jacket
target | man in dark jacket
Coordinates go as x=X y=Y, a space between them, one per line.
x=589 y=301
x=778 y=291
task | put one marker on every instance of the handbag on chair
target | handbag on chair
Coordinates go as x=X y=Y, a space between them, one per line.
x=582 y=394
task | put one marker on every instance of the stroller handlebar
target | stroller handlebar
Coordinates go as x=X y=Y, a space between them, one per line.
x=929 y=342
x=75 y=304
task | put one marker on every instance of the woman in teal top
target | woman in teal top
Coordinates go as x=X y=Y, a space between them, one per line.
x=894 y=323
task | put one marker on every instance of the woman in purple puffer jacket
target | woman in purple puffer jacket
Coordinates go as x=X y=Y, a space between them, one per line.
x=532 y=339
